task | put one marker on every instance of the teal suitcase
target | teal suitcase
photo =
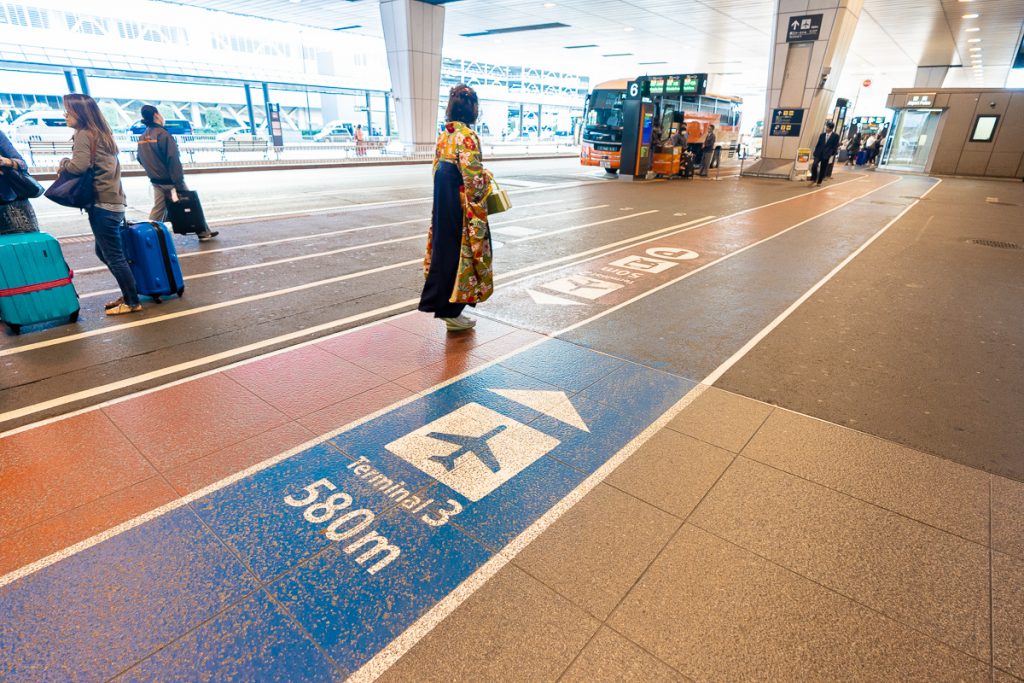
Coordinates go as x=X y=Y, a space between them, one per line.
x=35 y=281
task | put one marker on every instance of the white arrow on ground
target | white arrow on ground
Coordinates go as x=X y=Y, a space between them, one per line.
x=542 y=298
x=552 y=403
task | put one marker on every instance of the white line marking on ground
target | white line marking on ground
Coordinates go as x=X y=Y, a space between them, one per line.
x=97 y=391
x=580 y=227
x=756 y=339
x=422 y=626
x=67 y=339
x=590 y=254
x=376 y=205
x=332 y=233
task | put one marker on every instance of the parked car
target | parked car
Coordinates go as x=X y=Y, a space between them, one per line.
x=49 y=125
x=336 y=131
x=243 y=133
x=173 y=126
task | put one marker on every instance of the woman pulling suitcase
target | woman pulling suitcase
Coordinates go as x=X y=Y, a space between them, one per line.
x=93 y=147
x=457 y=265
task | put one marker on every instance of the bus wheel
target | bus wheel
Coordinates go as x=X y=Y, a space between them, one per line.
x=611 y=171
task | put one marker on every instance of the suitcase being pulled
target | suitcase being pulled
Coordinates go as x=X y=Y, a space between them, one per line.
x=35 y=281
x=185 y=213
x=150 y=250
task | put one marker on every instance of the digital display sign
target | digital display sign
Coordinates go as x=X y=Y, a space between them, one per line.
x=678 y=84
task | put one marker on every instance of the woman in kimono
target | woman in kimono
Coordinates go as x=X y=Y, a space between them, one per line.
x=457 y=265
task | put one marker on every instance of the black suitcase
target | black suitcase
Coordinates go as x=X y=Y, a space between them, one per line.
x=186 y=214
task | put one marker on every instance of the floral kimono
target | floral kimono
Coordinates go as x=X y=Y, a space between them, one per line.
x=457 y=265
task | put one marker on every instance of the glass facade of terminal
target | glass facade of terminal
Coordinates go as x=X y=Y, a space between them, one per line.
x=195 y=65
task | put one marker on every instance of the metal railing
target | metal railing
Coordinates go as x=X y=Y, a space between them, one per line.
x=208 y=152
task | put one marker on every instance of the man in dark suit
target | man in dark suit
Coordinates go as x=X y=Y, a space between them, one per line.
x=827 y=147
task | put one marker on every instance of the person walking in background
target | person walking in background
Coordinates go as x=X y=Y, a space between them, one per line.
x=876 y=148
x=707 y=150
x=360 y=141
x=159 y=157
x=16 y=215
x=852 y=149
x=93 y=147
x=457 y=265
x=827 y=147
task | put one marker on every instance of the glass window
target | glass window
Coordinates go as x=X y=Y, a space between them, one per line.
x=984 y=128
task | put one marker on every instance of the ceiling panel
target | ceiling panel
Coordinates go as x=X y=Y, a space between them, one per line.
x=727 y=38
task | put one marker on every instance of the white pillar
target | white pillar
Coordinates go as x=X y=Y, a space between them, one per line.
x=413 y=34
x=803 y=76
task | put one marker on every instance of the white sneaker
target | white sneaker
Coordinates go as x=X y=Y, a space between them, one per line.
x=459 y=324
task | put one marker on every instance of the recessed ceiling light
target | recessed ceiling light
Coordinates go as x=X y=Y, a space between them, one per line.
x=969 y=30
x=970 y=16
x=549 y=5
x=974 y=40
x=628 y=28
x=975 y=49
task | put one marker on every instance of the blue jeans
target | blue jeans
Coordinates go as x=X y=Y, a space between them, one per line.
x=106 y=228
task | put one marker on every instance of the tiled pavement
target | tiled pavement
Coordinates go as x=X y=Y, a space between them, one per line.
x=746 y=542
x=67 y=480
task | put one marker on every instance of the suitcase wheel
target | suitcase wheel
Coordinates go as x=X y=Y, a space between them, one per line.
x=181 y=292
x=156 y=300
x=16 y=329
x=73 y=318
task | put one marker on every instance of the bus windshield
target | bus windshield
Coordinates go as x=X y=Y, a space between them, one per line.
x=605 y=109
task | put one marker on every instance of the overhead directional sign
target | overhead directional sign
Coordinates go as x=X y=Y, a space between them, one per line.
x=803 y=28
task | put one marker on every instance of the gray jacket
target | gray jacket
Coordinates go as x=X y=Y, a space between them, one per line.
x=107 y=167
x=158 y=154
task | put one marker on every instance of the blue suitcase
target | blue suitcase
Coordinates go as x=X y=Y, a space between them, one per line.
x=35 y=281
x=150 y=251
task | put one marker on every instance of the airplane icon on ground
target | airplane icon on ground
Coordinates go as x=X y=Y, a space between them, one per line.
x=477 y=445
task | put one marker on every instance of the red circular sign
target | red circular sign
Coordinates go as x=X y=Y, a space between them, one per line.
x=867 y=83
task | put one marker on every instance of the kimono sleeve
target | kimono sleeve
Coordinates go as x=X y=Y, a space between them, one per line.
x=475 y=178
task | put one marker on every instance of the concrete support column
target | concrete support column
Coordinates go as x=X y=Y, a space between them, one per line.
x=804 y=74
x=413 y=34
x=930 y=76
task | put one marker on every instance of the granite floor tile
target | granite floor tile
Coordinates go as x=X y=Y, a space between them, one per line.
x=512 y=629
x=916 y=574
x=932 y=490
x=43 y=475
x=1008 y=516
x=671 y=471
x=717 y=612
x=336 y=416
x=77 y=524
x=304 y=380
x=597 y=550
x=508 y=343
x=722 y=418
x=197 y=474
x=999 y=676
x=385 y=350
x=430 y=375
x=426 y=325
x=1008 y=613
x=187 y=421
x=252 y=641
x=610 y=658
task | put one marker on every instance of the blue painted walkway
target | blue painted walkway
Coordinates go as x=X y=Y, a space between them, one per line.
x=307 y=569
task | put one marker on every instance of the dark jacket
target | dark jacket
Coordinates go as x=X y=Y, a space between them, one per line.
x=827 y=147
x=7 y=150
x=709 y=141
x=158 y=154
x=107 y=168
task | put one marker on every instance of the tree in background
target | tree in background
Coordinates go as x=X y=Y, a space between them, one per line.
x=214 y=119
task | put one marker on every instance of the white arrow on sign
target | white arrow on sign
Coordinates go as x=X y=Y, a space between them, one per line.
x=795 y=25
x=542 y=298
x=552 y=403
